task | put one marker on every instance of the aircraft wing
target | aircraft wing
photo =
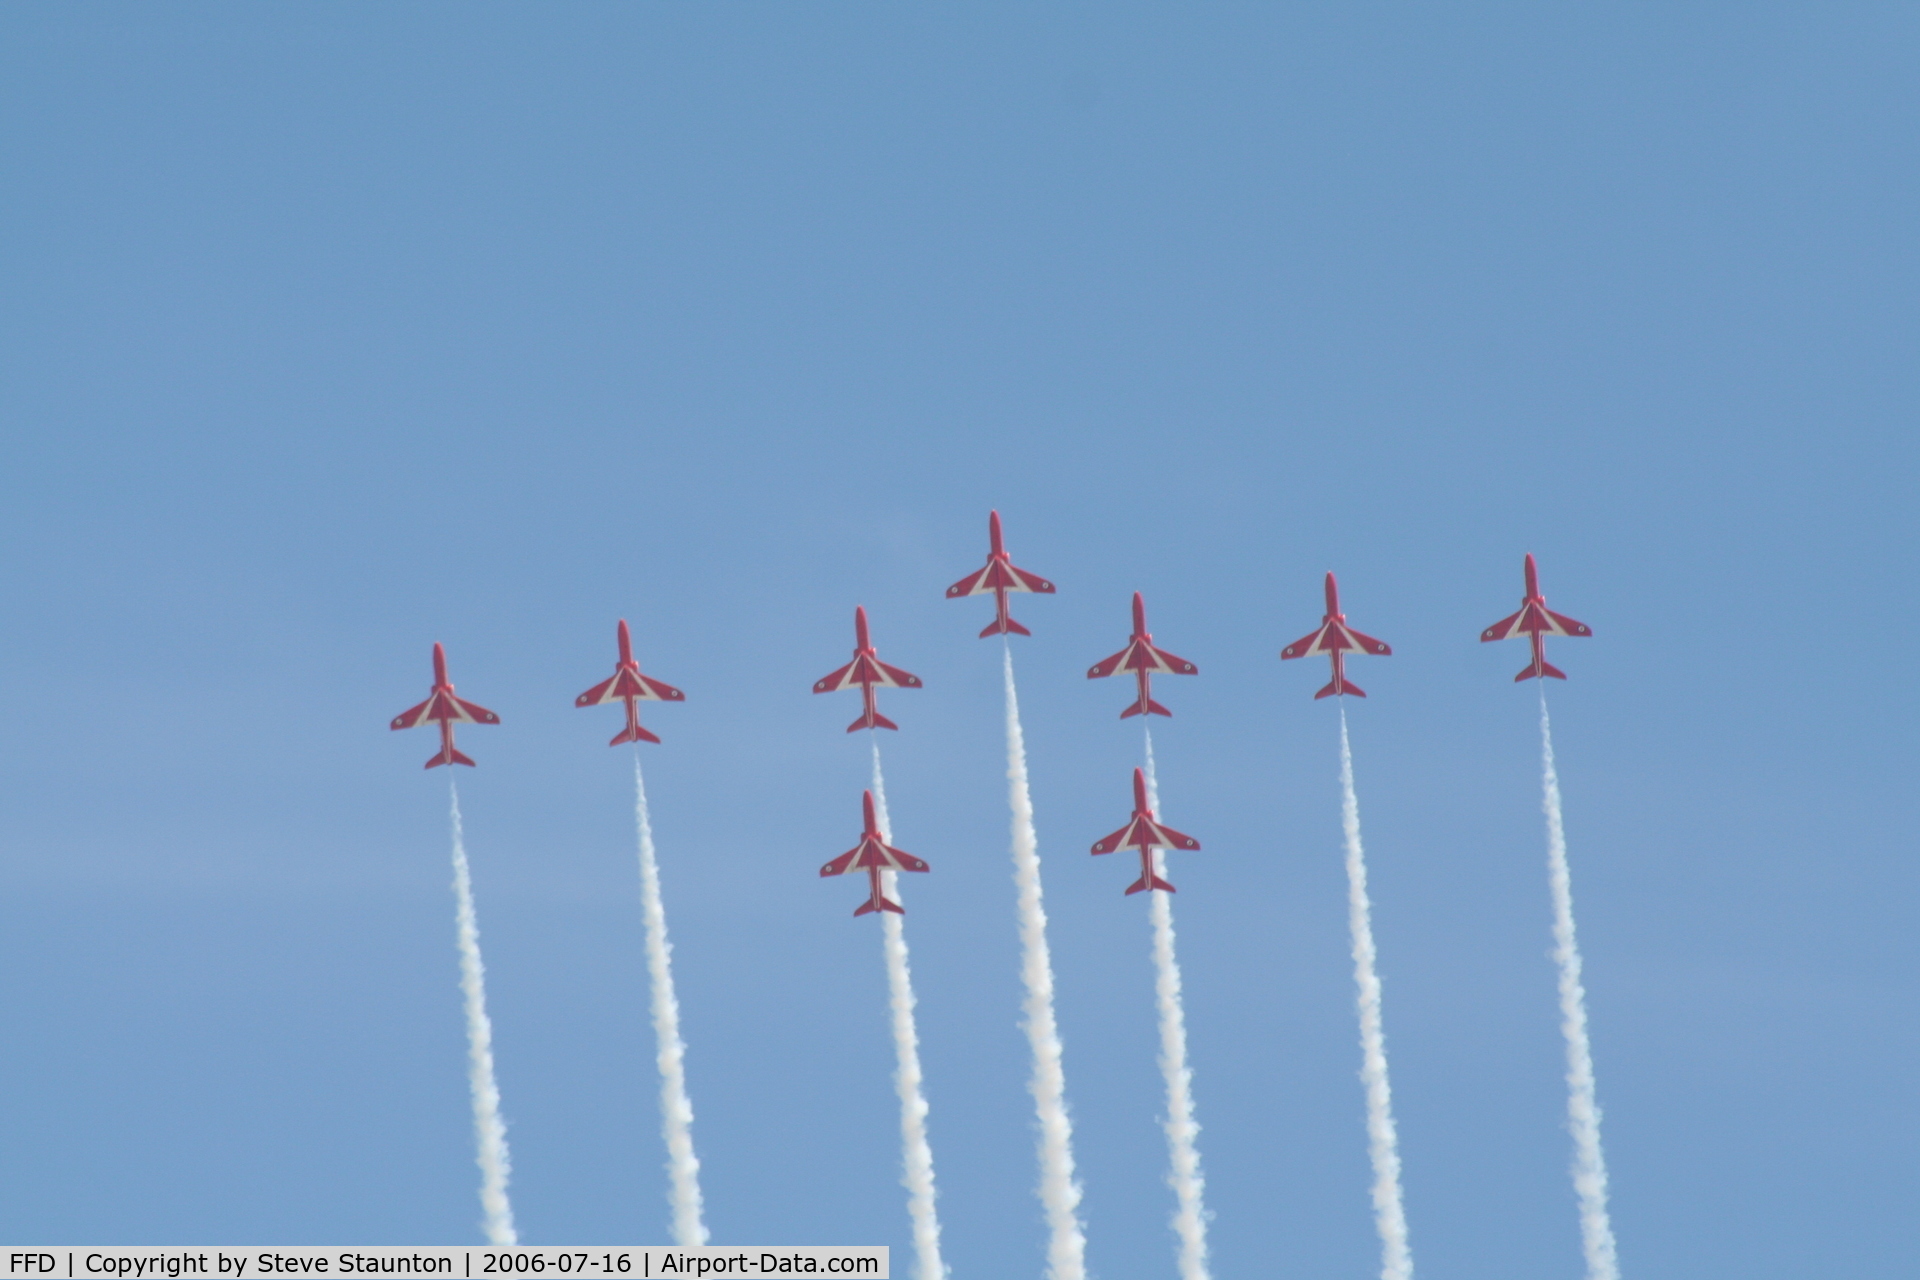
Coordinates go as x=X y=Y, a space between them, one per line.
x=1108 y=666
x=1167 y=838
x=1378 y=648
x=901 y=860
x=1309 y=643
x=602 y=692
x=411 y=716
x=1029 y=582
x=1171 y=664
x=660 y=691
x=834 y=680
x=470 y=712
x=1143 y=832
x=973 y=584
x=444 y=706
x=1503 y=628
x=1536 y=619
x=872 y=853
x=1566 y=626
x=895 y=677
x=841 y=865
x=999 y=577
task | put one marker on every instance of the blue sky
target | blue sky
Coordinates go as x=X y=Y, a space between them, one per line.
x=335 y=331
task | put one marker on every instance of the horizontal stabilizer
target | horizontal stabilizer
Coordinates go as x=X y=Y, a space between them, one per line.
x=884 y=904
x=635 y=734
x=995 y=629
x=874 y=721
x=1546 y=669
x=1341 y=686
x=1152 y=707
x=1150 y=881
x=449 y=756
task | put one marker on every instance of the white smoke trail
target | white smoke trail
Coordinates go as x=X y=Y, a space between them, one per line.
x=489 y=1131
x=1583 y=1110
x=1396 y=1260
x=676 y=1111
x=1059 y=1192
x=916 y=1154
x=1190 y=1214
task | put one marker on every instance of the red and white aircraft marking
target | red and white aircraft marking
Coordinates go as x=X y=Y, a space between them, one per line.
x=445 y=709
x=1000 y=576
x=1145 y=834
x=1336 y=640
x=1536 y=622
x=627 y=685
x=873 y=855
x=867 y=671
x=1145 y=661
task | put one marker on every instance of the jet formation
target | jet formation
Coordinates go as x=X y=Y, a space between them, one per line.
x=1333 y=639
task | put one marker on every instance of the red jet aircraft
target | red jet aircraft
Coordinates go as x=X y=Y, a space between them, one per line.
x=448 y=710
x=867 y=671
x=1143 y=833
x=999 y=577
x=873 y=855
x=1145 y=661
x=1336 y=639
x=1536 y=622
x=627 y=685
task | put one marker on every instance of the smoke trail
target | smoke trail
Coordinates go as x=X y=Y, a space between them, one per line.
x=1583 y=1111
x=489 y=1131
x=916 y=1155
x=1190 y=1216
x=1396 y=1261
x=1059 y=1193
x=676 y=1111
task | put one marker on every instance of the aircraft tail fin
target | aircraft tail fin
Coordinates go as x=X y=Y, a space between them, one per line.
x=450 y=755
x=879 y=903
x=635 y=734
x=1341 y=686
x=866 y=721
